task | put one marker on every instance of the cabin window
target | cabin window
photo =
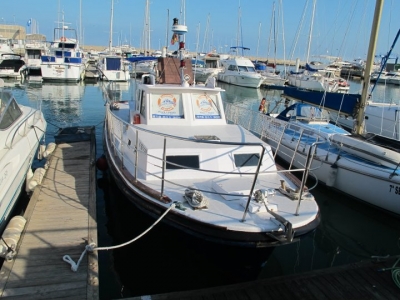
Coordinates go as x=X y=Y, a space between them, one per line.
x=182 y=162
x=167 y=106
x=142 y=104
x=246 y=159
x=206 y=106
x=9 y=114
x=242 y=68
x=232 y=68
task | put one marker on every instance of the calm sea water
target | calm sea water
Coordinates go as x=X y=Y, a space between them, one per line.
x=166 y=260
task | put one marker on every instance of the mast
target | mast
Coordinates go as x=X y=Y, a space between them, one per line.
x=311 y=30
x=111 y=25
x=368 y=65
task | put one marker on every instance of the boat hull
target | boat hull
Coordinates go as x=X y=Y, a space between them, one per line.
x=141 y=197
x=17 y=161
x=372 y=184
x=62 y=72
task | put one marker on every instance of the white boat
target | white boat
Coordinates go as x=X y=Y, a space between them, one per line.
x=11 y=64
x=34 y=50
x=240 y=71
x=351 y=164
x=391 y=77
x=322 y=81
x=65 y=61
x=317 y=76
x=172 y=153
x=21 y=131
x=207 y=66
x=113 y=68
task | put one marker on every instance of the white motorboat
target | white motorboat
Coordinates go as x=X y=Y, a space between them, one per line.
x=65 y=61
x=113 y=68
x=172 y=153
x=34 y=50
x=239 y=71
x=21 y=131
x=11 y=64
x=207 y=66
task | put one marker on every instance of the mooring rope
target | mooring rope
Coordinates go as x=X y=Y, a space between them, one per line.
x=92 y=247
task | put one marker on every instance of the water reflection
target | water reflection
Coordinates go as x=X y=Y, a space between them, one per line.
x=349 y=232
x=165 y=259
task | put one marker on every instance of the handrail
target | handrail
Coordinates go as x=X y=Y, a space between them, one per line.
x=23 y=123
x=114 y=119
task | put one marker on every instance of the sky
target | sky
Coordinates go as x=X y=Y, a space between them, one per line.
x=270 y=28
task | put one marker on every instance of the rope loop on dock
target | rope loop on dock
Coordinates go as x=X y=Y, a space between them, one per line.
x=92 y=247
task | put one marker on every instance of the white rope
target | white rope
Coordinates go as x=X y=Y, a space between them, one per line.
x=92 y=247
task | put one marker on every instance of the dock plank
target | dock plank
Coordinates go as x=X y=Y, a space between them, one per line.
x=362 y=280
x=61 y=220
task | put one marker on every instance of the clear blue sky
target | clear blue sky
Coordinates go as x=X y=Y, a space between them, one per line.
x=341 y=27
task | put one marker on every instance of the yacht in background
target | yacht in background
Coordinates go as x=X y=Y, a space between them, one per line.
x=11 y=64
x=113 y=68
x=239 y=70
x=206 y=66
x=34 y=50
x=65 y=61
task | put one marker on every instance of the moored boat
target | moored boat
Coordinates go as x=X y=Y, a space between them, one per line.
x=21 y=131
x=65 y=61
x=171 y=151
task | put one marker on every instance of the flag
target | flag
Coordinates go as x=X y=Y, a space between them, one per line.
x=29 y=22
x=174 y=38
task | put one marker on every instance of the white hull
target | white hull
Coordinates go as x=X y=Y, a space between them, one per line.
x=4 y=73
x=240 y=71
x=356 y=174
x=186 y=125
x=62 y=72
x=20 y=142
x=115 y=75
x=241 y=80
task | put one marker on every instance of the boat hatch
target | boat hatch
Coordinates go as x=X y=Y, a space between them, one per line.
x=210 y=138
x=182 y=162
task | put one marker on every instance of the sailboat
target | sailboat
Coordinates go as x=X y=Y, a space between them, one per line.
x=359 y=165
x=172 y=153
x=313 y=79
x=111 y=65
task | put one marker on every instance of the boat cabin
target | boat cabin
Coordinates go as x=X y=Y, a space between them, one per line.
x=172 y=103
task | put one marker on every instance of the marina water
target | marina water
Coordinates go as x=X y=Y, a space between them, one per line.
x=165 y=260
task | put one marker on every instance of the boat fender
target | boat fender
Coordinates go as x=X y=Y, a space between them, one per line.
x=11 y=236
x=49 y=149
x=29 y=176
x=101 y=163
x=36 y=179
x=42 y=148
x=330 y=181
x=136 y=119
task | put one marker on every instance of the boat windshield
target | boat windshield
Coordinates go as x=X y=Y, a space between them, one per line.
x=9 y=110
x=312 y=112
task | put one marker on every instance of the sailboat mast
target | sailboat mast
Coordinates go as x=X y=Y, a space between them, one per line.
x=111 y=25
x=368 y=65
x=311 y=30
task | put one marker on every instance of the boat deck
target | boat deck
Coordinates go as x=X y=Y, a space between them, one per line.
x=61 y=219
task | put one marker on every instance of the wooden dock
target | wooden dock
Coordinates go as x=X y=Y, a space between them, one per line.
x=61 y=220
x=364 y=280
